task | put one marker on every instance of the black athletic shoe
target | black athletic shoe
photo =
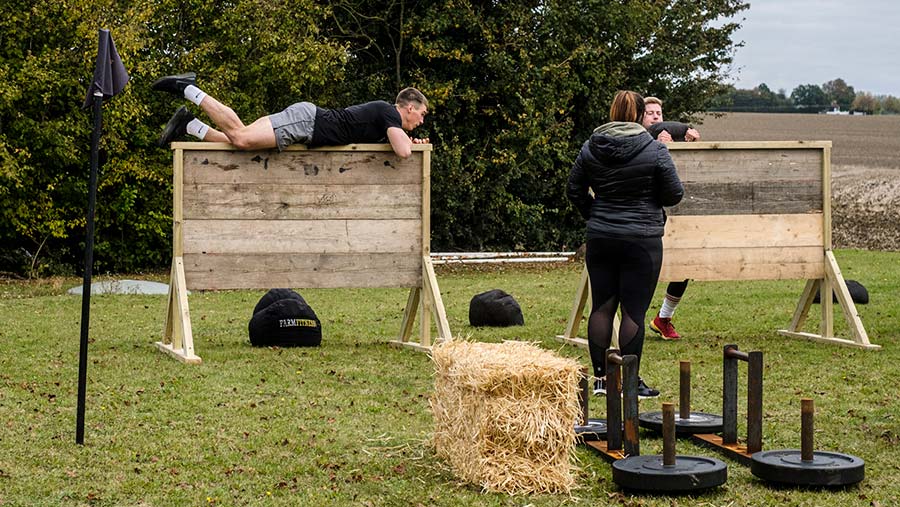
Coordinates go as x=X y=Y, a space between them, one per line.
x=644 y=391
x=175 y=84
x=176 y=127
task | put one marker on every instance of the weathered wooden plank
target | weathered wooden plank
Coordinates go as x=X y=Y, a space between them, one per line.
x=177 y=203
x=826 y=195
x=268 y=270
x=724 y=166
x=738 y=145
x=750 y=263
x=302 y=236
x=304 y=202
x=750 y=197
x=426 y=203
x=792 y=196
x=301 y=167
x=743 y=231
x=204 y=146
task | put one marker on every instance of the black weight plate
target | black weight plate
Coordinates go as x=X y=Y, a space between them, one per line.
x=826 y=468
x=698 y=422
x=595 y=429
x=689 y=473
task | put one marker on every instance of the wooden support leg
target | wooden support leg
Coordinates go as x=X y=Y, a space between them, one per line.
x=826 y=326
x=570 y=335
x=428 y=298
x=425 y=319
x=803 y=306
x=409 y=315
x=833 y=283
x=179 y=339
x=860 y=337
x=436 y=302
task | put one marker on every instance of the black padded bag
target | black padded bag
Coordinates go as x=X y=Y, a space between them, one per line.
x=276 y=295
x=858 y=293
x=495 y=308
x=282 y=318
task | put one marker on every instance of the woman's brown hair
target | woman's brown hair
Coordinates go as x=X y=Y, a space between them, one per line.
x=627 y=106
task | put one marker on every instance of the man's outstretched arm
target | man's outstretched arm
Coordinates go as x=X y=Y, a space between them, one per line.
x=400 y=142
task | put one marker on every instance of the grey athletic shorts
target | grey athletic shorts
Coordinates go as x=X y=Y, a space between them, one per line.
x=294 y=125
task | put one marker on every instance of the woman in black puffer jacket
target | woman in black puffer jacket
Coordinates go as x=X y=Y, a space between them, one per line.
x=632 y=177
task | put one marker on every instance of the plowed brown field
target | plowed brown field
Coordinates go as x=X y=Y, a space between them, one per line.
x=865 y=167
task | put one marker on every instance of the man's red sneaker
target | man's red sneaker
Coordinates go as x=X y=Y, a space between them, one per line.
x=665 y=328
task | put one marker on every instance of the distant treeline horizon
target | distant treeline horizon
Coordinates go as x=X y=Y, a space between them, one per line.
x=805 y=98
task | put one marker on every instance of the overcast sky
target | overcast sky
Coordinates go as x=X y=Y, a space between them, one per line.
x=794 y=42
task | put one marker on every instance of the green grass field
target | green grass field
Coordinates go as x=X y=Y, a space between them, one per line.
x=349 y=423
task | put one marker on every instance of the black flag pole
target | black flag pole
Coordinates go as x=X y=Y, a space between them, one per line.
x=110 y=78
x=88 y=269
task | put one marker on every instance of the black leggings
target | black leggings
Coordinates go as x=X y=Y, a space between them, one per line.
x=623 y=272
x=677 y=289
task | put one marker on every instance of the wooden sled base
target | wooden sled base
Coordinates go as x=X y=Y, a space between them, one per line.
x=737 y=451
x=600 y=447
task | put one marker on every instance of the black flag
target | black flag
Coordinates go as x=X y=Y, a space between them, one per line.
x=110 y=78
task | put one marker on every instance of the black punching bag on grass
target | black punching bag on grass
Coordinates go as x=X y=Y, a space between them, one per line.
x=858 y=293
x=495 y=308
x=282 y=318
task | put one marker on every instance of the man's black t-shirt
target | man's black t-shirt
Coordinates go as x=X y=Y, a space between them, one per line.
x=362 y=123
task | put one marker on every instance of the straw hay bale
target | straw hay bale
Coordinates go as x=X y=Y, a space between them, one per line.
x=505 y=414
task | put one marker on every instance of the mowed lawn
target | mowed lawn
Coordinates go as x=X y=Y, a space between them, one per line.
x=349 y=423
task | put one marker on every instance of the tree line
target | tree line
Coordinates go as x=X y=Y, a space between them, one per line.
x=811 y=98
x=515 y=87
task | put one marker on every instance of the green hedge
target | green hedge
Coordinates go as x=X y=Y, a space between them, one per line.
x=515 y=88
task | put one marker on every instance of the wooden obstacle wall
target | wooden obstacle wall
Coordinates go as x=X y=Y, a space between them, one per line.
x=750 y=212
x=350 y=216
x=753 y=211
